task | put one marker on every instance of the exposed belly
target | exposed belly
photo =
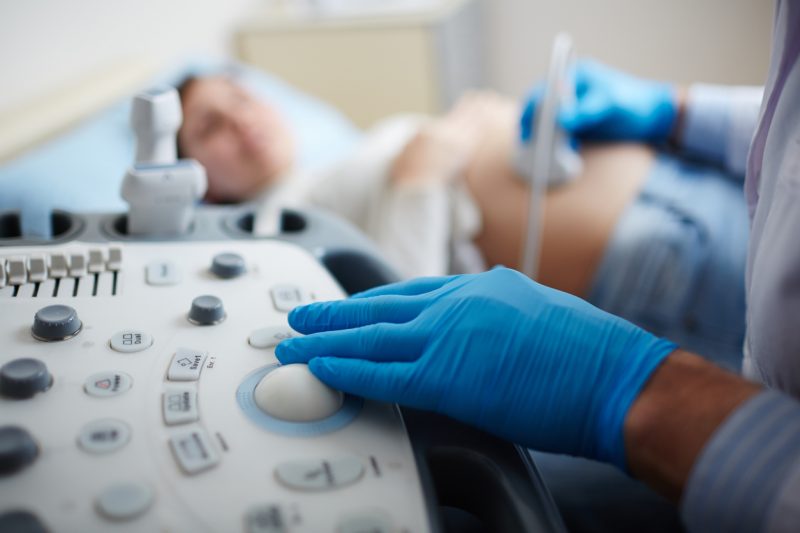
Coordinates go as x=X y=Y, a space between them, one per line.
x=578 y=218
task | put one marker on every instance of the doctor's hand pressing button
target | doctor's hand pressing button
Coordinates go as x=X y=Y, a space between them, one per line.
x=531 y=364
x=612 y=106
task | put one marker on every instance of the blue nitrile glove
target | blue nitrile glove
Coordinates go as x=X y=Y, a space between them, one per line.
x=612 y=106
x=531 y=364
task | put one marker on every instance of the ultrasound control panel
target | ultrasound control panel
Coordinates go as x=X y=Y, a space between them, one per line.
x=139 y=391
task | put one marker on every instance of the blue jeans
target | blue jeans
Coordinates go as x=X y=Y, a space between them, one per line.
x=675 y=263
x=675 y=266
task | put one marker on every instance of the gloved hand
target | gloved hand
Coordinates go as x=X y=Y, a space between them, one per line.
x=611 y=106
x=531 y=364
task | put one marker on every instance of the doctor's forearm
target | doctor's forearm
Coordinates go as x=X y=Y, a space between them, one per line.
x=675 y=415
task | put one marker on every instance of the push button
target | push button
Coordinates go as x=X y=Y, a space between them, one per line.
x=106 y=384
x=59 y=268
x=162 y=273
x=104 y=436
x=317 y=475
x=130 y=341
x=37 y=269
x=228 y=265
x=186 y=365
x=77 y=266
x=96 y=262
x=114 y=262
x=206 y=310
x=179 y=405
x=16 y=272
x=17 y=449
x=23 y=378
x=287 y=297
x=124 y=501
x=270 y=336
x=193 y=452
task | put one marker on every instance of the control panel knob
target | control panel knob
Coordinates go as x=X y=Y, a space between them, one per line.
x=228 y=265
x=293 y=393
x=206 y=310
x=22 y=521
x=56 y=323
x=17 y=449
x=23 y=378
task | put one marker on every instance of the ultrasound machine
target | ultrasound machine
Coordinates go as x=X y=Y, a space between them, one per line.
x=139 y=390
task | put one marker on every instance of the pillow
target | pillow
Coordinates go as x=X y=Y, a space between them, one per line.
x=82 y=170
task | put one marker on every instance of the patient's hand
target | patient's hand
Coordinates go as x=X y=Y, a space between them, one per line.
x=444 y=147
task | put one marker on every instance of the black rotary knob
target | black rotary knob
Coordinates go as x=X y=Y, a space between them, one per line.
x=23 y=378
x=206 y=310
x=228 y=265
x=17 y=449
x=56 y=323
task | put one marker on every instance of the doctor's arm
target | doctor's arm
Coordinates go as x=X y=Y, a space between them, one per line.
x=549 y=371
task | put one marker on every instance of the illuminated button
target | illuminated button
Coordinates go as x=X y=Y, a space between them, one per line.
x=206 y=310
x=77 y=265
x=228 y=265
x=114 y=262
x=59 y=268
x=37 y=269
x=193 y=451
x=23 y=378
x=106 y=384
x=104 y=436
x=317 y=475
x=287 y=297
x=179 y=405
x=56 y=323
x=162 y=273
x=264 y=519
x=186 y=365
x=366 y=522
x=16 y=272
x=96 y=261
x=270 y=336
x=131 y=340
x=124 y=501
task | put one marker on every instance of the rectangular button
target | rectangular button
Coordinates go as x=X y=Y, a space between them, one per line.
x=114 y=262
x=77 y=265
x=96 y=261
x=287 y=297
x=58 y=266
x=16 y=271
x=179 y=406
x=162 y=273
x=37 y=268
x=186 y=365
x=193 y=451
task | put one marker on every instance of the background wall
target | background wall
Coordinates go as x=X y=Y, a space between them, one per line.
x=45 y=43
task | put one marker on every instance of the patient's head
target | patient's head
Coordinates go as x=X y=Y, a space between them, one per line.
x=242 y=141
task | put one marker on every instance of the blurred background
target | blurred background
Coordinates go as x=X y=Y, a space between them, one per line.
x=372 y=58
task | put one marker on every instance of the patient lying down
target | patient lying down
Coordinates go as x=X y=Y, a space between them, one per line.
x=440 y=195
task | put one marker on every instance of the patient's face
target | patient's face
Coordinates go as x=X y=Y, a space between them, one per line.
x=241 y=141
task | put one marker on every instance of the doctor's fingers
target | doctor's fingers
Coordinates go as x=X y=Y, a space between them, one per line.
x=386 y=382
x=378 y=342
x=411 y=287
x=347 y=314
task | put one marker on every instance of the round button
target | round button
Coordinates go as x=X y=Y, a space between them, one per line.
x=206 y=310
x=125 y=501
x=293 y=393
x=104 y=384
x=104 y=436
x=130 y=341
x=17 y=449
x=21 y=521
x=56 y=323
x=228 y=265
x=23 y=378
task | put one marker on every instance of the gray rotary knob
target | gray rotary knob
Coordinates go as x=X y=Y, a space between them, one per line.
x=23 y=378
x=228 y=265
x=206 y=310
x=17 y=449
x=21 y=521
x=56 y=323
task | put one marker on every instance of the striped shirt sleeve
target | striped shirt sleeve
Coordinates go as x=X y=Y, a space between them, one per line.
x=747 y=477
x=719 y=124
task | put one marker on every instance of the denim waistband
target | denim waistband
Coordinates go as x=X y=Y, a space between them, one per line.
x=676 y=259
